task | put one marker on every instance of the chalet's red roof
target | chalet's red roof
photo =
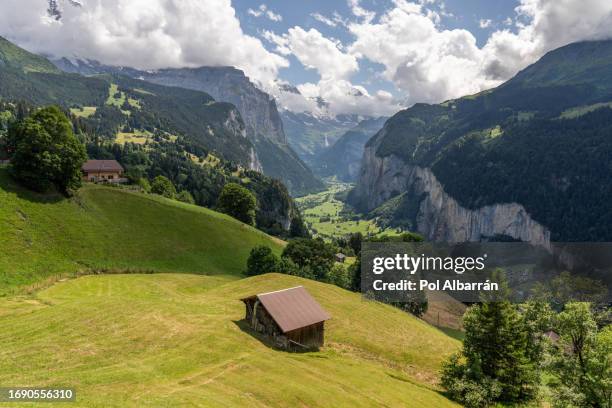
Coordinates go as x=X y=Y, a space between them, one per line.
x=292 y=308
x=101 y=165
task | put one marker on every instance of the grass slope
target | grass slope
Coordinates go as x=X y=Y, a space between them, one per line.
x=17 y=57
x=108 y=228
x=178 y=340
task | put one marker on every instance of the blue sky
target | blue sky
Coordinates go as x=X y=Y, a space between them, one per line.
x=463 y=14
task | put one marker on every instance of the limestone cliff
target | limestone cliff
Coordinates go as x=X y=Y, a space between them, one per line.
x=432 y=212
x=228 y=84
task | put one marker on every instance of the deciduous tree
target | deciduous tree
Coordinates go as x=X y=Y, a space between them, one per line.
x=45 y=153
x=237 y=201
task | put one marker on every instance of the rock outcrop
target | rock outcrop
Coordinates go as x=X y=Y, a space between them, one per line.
x=435 y=214
x=228 y=84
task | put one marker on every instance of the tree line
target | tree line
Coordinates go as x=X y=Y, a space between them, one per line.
x=47 y=151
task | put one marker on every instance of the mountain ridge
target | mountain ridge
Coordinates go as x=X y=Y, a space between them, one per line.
x=540 y=146
x=227 y=84
x=183 y=134
x=342 y=159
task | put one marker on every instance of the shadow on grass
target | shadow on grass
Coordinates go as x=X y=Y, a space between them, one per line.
x=454 y=333
x=10 y=185
x=267 y=340
x=263 y=339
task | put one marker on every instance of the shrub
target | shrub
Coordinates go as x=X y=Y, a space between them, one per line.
x=186 y=197
x=288 y=267
x=163 y=186
x=468 y=384
x=338 y=275
x=144 y=184
x=314 y=254
x=261 y=260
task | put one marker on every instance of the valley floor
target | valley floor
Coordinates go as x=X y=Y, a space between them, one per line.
x=328 y=217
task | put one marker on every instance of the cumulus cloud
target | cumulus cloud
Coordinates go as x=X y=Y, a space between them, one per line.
x=315 y=51
x=428 y=64
x=335 y=67
x=263 y=10
x=425 y=61
x=332 y=97
x=549 y=24
x=431 y=64
x=344 y=97
x=141 y=33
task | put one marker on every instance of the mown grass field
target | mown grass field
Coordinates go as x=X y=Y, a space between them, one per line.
x=84 y=112
x=104 y=228
x=173 y=340
x=578 y=111
x=178 y=339
x=137 y=136
x=118 y=98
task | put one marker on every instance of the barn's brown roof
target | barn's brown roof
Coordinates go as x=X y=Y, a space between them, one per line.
x=101 y=165
x=292 y=308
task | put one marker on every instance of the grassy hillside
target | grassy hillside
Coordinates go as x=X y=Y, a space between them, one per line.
x=178 y=340
x=17 y=57
x=108 y=228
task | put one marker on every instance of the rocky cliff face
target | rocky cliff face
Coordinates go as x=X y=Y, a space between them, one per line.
x=228 y=84
x=264 y=127
x=435 y=214
x=344 y=157
x=310 y=135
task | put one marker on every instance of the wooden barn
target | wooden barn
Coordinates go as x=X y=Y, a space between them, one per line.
x=290 y=317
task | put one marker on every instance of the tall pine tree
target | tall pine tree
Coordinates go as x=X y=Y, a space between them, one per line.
x=498 y=361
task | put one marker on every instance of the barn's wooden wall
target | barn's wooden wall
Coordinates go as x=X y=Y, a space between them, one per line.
x=312 y=336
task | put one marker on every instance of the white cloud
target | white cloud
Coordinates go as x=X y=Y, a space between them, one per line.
x=546 y=25
x=426 y=62
x=263 y=10
x=316 y=51
x=322 y=19
x=485 y=23
x=345 y=97
x=142 y=33
x=360 y=12
x=339 y=96
x=430 y=64
x=335 y=67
